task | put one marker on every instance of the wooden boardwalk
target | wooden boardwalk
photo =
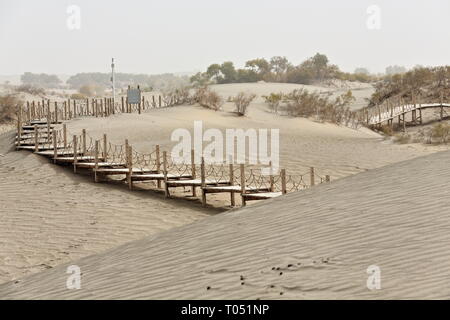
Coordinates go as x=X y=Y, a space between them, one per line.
x=397 y=108
x=48 y=137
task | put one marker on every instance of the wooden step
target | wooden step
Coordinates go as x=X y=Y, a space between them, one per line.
x=33 y=122
x=72 y=158
x=261 y=195
x=158 y=176
x=38 y=127
x=62 y=152
x=40 y=147
x=192 y=182
x=91 y=165
x=112 y=171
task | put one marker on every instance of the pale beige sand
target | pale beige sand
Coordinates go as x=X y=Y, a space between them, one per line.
x=316 y=244
x=335 y=150
x=50 y=216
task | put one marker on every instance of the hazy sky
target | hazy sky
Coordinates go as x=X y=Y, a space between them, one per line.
x=188 y=35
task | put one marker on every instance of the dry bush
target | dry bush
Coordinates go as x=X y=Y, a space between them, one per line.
x=208 y=98
x=274 y=100
x=28 y=88
x=9 y=106
x=440 y=132
x=91 y=90
x=77 y=96
x=387 y=130
x=178 y=96
x=402 y=138
x=242 y=100
x=301 y=103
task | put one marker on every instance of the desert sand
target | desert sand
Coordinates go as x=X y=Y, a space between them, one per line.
x=51 y=217
x=315 y=244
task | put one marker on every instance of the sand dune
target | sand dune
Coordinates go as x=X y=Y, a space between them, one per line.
x=309 y=245
x=51 y=216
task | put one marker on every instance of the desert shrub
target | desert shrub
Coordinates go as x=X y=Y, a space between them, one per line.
x=429 y=83
x=387 y=130
x=441 y=132
x=241 y=101
x=176 y=96
x=91 y=90
x=28 y=88
x=77 y=96
x=402 y=138
x=301 y=103
x=9 y=106
x=273 y=100
x=208 y=98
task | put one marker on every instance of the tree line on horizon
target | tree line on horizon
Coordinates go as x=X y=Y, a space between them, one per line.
x=279 y=69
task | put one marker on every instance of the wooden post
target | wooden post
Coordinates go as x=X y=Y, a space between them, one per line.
x=123 y=105
x=29 y=109
x=56 y=112
x=68 y=109
x=242 y=170
x=55 y=149
x=74 y=108
x=106 y=107
x=19 y=127
x=65 y=136
x=36 y=139
x=143 y=102
x=153 y=101
x=83 y=141
x=130 y=167
x=65 y=110
x=96 y=160
x=158 y=165
x=193 y=173
x=105 y=148
x=96 y=108
x=49 y=121
x=231 y=169
x=379 y=112
x=271 y=179
x=442 y=104
x=75 y=153
x=312 y=176
x=203 y=180
x=166 y=187
x=87 y=107
x=283 y=181
x=29 y=114
x=160 y=101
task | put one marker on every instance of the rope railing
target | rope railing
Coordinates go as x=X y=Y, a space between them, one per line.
x=37 y=129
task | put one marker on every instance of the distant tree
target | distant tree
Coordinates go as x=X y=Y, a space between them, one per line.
x=200 y=79
x=362 y=71
x=279 y=66
x=40 y=80
x=260 y=66
x=246 y=75
x=213 y=72
x=228 y=71
x=395 y=70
